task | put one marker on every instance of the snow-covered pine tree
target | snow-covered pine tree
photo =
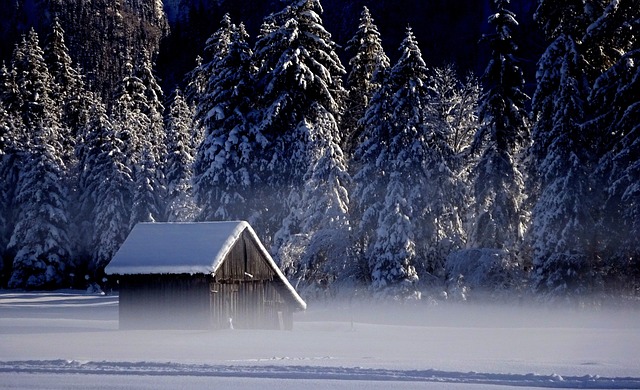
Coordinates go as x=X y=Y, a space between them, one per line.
x=33 y=86
x=91 y=135
x=179 y=162
x=12 y=138
x=40 y=242
x=370 y=178
x=611 y=34
x=147 y=201
x=199 y=91
x=394 y=254
x=616 y=102
x=612 y=49
x=106 y=185
x=563 y=217
x=363 y=80
x=420 y=150
x=199 y=79
x=68 y=90
x=195 y=82
x=7 y=185
x=129 y=116
x=298 y=69
x=561 y=160
x=560 y=20
x=225 y=163
x=498 y=182
x=315 y=237
x=407 y=181
x=154 y=135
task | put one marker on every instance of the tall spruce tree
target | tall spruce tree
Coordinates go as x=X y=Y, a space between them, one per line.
x=7 y=186
x=68 y=90
x=154 y=135
x=136 y=114
x=75 y=101
x=370 y=179
x=147 y=203
x=224 y=168
x=32 y=87
x=611 y=34
x=417 y=198
x=12 y=139
x=202 y=77
x=498 y=182
x=315 y=236
x=367 y=64
x=91 y=136
x=563 y=241
x=620 y=168
x=129 y=116
x=179 y=161
x=39 y=241
x=107 y=190
x=298 y=70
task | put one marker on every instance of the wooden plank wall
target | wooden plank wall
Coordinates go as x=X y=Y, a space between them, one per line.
x=164 y=302
x=247 y=291
x=244 y=262
x=248 y=305
x=244 y=289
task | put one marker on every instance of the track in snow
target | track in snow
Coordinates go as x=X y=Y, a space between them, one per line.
x=315 y=373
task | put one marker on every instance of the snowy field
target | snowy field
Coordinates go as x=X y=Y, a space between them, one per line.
x=65 y=340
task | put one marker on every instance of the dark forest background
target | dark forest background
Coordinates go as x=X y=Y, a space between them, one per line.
x=448 y=32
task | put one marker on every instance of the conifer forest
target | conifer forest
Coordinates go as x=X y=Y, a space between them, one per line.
x=452 y=151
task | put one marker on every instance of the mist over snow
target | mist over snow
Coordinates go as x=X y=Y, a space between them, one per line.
x=366 y=167
x=68 y=340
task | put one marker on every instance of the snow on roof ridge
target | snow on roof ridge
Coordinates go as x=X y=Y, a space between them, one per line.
x=272 y=263
x=226 y=247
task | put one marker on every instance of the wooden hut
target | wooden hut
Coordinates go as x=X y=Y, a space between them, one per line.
x=200 y=276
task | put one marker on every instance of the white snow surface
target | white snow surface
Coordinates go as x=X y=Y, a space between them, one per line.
x=70 y=340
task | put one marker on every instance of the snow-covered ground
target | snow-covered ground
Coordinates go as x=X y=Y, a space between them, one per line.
x=66 y=340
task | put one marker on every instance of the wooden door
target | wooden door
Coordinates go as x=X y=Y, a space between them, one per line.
x=224 y=304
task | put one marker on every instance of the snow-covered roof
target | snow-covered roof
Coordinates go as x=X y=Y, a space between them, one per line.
x=184 y=248
x=175 y=248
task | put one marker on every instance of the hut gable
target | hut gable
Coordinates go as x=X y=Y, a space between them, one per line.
x=220 y=268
